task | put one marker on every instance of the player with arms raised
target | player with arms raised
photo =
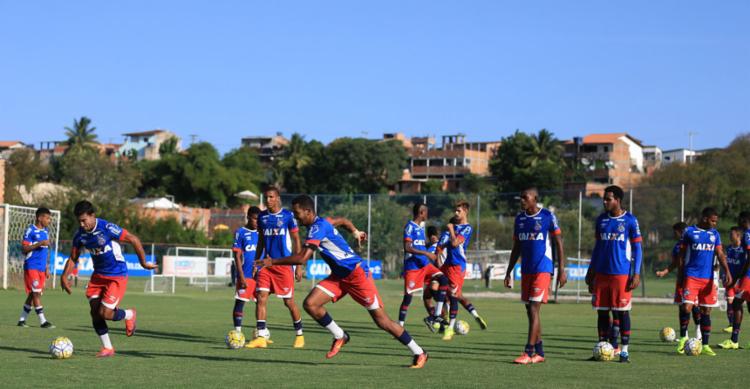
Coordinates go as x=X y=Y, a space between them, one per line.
x=349 y=275
x=109 y=281
x=36 y=266
x=245 y=244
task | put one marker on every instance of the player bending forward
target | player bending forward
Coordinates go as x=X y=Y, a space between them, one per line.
x=110 y=279
x=349 y=275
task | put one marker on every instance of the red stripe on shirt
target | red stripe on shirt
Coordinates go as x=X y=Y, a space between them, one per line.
x=123 y=235
x=295 y=229
x=237 y=249
x=407 y=239
x=26 y=243
x=313 y=242
x=637 y=240
x=557 y=232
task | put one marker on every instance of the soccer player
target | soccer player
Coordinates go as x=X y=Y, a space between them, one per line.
x=349 y=275
x=36 y=266
x=278 y=237
x=736 y=261
x=678 y=229
x=699 y=245
x=418 y=268
x=615 y=269
x=535 y=234
x=109 y=281
x=245 y=244
x=742 y=285
x=432 y=286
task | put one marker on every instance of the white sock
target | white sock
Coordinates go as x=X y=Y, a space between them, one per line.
x=698 y=333
x=452 y=323
x=474 y=313
x=625 y=348
x=106 y=343
x=128 y=314
x=238 y=329
x=414 y=347
x=439 y=308
x=335 y=330
x=401 y=323
x=25 y=312
x=42 y=319
x=264 y=333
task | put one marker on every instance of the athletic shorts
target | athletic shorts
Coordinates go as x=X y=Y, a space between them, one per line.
x=535 y=287
x=731 y=292
x=358 y=284
x=414 y=280
x=110 y=289
x=743 y=289
x=701 y=291
x=247 y=293
x=610 y=293
x=278 y=280
x=455 y=279
x=34 y=280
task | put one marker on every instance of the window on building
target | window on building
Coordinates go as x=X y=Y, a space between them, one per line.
x=419 y=162
x=437 y=162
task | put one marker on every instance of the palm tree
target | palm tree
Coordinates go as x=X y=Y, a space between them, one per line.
x=544 y=146
x=293 y=161
x=80 y=135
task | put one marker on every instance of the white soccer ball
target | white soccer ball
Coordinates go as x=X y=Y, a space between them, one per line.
x=667 y=334
x=693 y=347
x=61 y=348
x=235 y=339
x=603 y=351
x=462 y=327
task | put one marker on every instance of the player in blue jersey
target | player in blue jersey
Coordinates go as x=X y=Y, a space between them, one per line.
x=432 y=286
x=700 y=243
x=107 y=285
x=736 y=261
x=615 y=269
x=742 y=284
x=536 y=234
x=278 y=237
x=349 y=275
x=35 y=246
x=418 y=268
x=245 y=244
x=678 y=229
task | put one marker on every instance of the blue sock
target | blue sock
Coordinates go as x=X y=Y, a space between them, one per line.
x=39 y=310
x=529 y=349
x=602 y=325
x=260 y=325
x=615 y=330
x=469 y=307
x=730 y=313
x=298 y=326
x=237 y=314
x=404 y=307
x=684 y=322
x=625 y=327
x=405 y=338
x=454 y=308
x=705 y=327
x=27 y=308
x=696 y=314
x=119 y=314
x=325 y=320
x=539 y=348
x=100 y=326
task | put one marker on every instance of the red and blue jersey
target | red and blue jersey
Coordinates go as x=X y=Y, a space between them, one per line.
x=735 y=260
x=276 y=228
x=246 y=242
x=414 y=233
x=618 y=245
x=457 y=254
x=36 y=259
x=700 y=247
x=533 y=235
x=432 y=248
x=102 y=243
x=333 y=248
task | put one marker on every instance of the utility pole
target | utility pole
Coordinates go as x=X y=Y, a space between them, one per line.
x=690 y=139
x=192 y=138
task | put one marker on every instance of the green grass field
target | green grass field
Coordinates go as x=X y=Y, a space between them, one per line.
x=180 y=343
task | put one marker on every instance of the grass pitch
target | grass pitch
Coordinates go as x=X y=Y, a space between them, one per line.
x=180 y=343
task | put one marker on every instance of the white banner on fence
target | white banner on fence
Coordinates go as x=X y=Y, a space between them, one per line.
x=184 y=266
x=223 y=267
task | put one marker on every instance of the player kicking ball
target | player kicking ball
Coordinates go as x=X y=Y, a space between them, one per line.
x=35 y=266
x=535 y=230
x=109 y=281
x=349 y=275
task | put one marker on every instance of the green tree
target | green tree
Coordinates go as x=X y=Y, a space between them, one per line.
x=167 y=147
x=293 y=164
x=23 y=169
x=524 y=160
x=243 y=164
x=80 y=136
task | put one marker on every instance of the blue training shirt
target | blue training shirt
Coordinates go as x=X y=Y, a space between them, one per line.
x=618 y=245
x=533 y=232
x=246 y=242
x=36 y=259
x=414 y=233
x=457 y=254
x=276 y=228
x=700 y=247
x=102 y=243
x=333 y=248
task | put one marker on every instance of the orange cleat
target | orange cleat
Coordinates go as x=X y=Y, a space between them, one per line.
x=337 y=345
x=106 y=352
x=419 y=361
x=537 y=358
x=130 y=325
x=524 y=359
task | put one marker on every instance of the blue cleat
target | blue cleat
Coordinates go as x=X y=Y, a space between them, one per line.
x=624 y=357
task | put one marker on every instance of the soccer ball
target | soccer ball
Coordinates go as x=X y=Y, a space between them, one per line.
x=462 y=327
x=603 y=351
x=693 y=347
x=667 y=334
x=235 y=339
x=61 y=348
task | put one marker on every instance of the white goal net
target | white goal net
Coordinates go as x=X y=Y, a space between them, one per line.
x=202 y=267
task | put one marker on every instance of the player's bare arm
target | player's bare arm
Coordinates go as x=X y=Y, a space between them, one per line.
x=261 y=247
x=728 y=281
x=562 y=276
x=672 y=265
x=456 y=240
x=238 y=260
x=294 y=259
x=27 y=248
x=72 y=261
x=349 y=226
x=515 y=253
x=299 y=271
x=139 y=251
x=409 y=248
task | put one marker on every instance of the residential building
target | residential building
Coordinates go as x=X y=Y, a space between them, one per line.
x=267 y=147
x=652 y=159
x=606 y=159
x=680 y=156
x=146 y=144
x=8 y=147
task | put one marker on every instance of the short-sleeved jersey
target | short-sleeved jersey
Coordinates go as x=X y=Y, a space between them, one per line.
x=615 y=237
x=746 y=240
x=414 y=233
x=432 y=248
x=246 y=242
x=533 y=233
x=700 y=247
x=102 y=243
x=735 y=260
x=457 y=254
x=276 y=228
x=36 y=259
x=333 y=248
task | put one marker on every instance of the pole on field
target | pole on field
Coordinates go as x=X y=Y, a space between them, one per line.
x=6 y=221
x=369 y=223
x=476 y=242
x=57 y=250
x=580 y=232
x=206 y=282
x=682 y=203
x=152 y=272
x=312 y=277
x=424 y=199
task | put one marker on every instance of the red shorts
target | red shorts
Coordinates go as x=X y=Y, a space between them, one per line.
x=110 y=289
x=731 y=292
x=74 y=272
x=415 y=280
x=34 y=280
x=535 y=287
x=278 y=280
x=743 y=288
x=610 y=293
x=358 y=284
x=700 y=291
x=246 y=294
x=455 y=278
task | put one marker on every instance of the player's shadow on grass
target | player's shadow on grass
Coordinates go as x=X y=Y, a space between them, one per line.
x=213 y=358
x=26 y=350
x=176 y=336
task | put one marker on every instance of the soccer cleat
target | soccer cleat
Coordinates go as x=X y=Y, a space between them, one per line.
x=419 y=361
x=482 y=323
x=259 y=342
x=22 y=323
x=624 y=357
x=681 y=345
x=430 y=323
x=337 y=345
x=617 y=351
x=707 y=351
x=130 y=325
x=537 y=358
x=106 y=352
x=729 y=345
x=728 y=330
x=524 y=359
x=47 y=324
x=449 y=332
x=299 y=341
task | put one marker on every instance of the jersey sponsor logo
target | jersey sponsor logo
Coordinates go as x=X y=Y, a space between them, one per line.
x=115 y=230
x=274 y=231
x=418 y=242
x=530 y=236
x=612 y=236
x=250 y=247
x=703 y=246
x=313 y=230
x=100 y=250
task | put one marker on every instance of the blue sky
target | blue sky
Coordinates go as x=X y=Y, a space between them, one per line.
x=226 y=69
